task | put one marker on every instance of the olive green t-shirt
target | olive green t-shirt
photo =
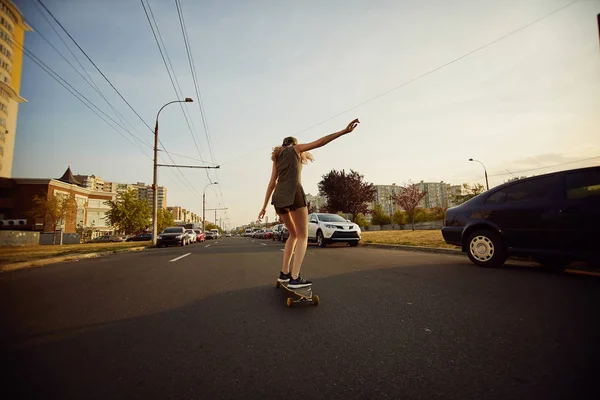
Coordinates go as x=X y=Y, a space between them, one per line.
x=289 y=170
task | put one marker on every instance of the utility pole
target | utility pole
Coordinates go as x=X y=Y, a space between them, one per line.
x=215 y=210
x=155 y=171
x=204 y=205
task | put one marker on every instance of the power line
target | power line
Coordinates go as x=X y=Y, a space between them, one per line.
x=110 y=83
x=424 y=74
x=198 y=92
x=175 y=83
x=549 y=166
x=78 y=95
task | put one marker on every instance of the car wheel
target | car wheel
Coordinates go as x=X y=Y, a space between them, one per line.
x=321 y=239
x=353 y=244
x=552 y=263
x=485 y=248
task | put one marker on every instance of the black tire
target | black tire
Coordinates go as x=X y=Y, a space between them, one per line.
x=353 y=244
x=486 y=249
x=321 y=239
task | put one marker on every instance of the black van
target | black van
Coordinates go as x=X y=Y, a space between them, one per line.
x=553 y=218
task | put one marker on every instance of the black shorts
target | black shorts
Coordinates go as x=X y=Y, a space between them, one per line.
x=299 y=202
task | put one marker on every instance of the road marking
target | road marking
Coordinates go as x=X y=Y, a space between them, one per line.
x=264 y=244
x=282 y=249
x=208 y=245
x=180 y=257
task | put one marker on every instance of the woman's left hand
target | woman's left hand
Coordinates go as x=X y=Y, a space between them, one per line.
x=261 y=214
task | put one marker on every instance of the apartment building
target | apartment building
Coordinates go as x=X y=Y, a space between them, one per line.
x=438 y=194
x=12 y=39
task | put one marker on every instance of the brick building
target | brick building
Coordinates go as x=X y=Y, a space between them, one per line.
x=16 y=202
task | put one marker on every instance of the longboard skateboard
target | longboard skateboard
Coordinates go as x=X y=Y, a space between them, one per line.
x=304 y=294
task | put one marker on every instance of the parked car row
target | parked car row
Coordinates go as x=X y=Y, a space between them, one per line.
x=323 y=229
x=179 y=236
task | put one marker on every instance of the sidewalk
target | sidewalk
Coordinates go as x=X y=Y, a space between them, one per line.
x=12 y=262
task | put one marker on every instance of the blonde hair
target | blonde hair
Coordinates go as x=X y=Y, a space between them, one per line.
x=304 y=156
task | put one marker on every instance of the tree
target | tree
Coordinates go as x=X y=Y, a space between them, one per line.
x=164 y=219
x=379 y=217
x=399 y=217
x=311 y=208
x=209 y=225
x=129 y=213
x=347 y=193
x=54 y=210
x=86 y=232
x=408 y=197
x=468 y=192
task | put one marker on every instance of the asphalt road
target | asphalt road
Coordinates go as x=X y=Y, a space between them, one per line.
x=391 y=324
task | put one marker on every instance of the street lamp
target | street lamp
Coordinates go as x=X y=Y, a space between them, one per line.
x=155 y=178
x=204 y=203
x=487 y=185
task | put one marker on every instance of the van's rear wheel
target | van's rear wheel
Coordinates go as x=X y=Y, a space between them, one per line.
x=485 y=248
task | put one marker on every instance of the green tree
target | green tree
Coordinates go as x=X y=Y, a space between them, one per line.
x=129 y=213
x=399 y=217
x=54 y=209
x=347 y=193
x=164 y=219
x=361 y=220
x=379 y=217
x=209 y=225
x=467 y=193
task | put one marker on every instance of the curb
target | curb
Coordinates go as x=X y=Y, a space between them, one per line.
x=438 y=250
x=73 y=257
x=413 y=248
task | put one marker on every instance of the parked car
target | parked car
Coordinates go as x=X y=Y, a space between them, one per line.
x=331 y=228
x=267 y=234
x=216 y=233
x=191 y=235
x=248 y=232
x=277 y=232
x=553 y=218
x=257 y=233
x=175 y=235
x=199 y=235
x=284 y=235
x=209 y=235
x=106 y=239
x=142 y=237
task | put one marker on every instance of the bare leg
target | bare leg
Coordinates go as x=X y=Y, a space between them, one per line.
x=290 y=243
x=300 y=220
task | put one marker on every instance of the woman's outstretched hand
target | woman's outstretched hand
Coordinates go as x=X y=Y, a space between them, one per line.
x=261 y=214
x=352 y=125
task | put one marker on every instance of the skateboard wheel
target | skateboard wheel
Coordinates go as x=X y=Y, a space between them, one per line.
x=290 y=302
x=315 y=300
x=277 y=284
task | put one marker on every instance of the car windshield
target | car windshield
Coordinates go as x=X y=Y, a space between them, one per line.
x=189 y=231
x=173 y=230
x=330 y=218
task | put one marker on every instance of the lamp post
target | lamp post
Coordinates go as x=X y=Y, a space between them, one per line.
x=485 y=171
x=204 y=204
x=155 y=178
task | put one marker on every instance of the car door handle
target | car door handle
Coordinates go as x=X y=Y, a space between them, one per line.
x=568 y=210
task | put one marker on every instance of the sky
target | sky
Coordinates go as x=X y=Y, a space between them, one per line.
x=514 y=84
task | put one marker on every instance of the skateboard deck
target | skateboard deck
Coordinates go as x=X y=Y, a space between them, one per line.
x=304 y=294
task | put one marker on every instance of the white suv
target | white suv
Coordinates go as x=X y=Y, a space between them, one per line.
x=331 y=228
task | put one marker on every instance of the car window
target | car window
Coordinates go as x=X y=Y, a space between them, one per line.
x=582 y=185
x=313 y=218
x=536 y=189
x=173 y=230
x=331 y=218
x=497 y=197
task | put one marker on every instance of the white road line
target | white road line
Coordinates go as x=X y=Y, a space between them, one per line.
x=264 y=244
x=282 y=249
x=180 y=257
x=208 y=245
